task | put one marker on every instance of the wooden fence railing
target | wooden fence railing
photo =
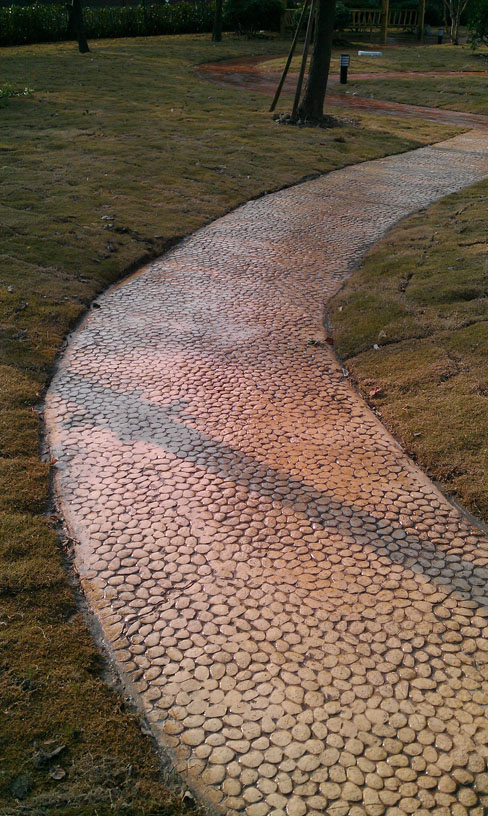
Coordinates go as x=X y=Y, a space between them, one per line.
x=364 y=19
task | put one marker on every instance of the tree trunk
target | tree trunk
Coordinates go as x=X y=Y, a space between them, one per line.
x=454 y=8
x=312 y=106
x=385 y=11
x=455 y=29
x=421 y=22
x=76 y=28
x=217 y=26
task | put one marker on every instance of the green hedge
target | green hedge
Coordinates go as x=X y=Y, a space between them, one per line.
x=20 y=25
x=478 y=22
x=30 y=24
x=34 y=24
x=252 y=15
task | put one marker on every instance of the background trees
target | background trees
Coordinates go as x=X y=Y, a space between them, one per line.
x=478 y=22
x=455 y=9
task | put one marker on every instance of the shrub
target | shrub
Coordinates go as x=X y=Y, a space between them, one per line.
x=434 y=13
x=123 y=21
x=342 y=16
x=478 y=22
x=20 y=25
x=253 y=15
x=7 y=92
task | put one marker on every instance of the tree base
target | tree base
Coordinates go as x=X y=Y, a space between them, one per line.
x=325 y=121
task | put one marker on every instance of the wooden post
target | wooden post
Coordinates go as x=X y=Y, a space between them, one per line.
x=421 y=20
x=384 y=21
x=298 y=91
x=290 y=56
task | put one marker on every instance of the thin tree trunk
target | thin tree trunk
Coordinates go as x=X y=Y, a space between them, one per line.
x=421 y=22
x=454 y=8
x=455 y=29
x=217 y=26
x=76 y=28
x=289 y=58
x=385 y=11
x=312 y=106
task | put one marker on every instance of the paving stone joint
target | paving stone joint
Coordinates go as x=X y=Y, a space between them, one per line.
x=302 y=615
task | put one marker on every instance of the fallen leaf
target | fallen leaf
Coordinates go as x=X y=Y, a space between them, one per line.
x=57 y=773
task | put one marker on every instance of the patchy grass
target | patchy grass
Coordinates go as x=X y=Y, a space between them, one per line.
x=413 y=57
x=421 y=295
x=118 y=153
x=469 y=93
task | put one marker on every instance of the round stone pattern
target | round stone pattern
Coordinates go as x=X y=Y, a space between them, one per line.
x=302 y=615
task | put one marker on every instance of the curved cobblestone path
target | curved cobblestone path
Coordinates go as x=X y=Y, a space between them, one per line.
x=301 y=614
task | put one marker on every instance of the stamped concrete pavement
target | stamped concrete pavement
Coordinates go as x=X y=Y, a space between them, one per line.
x=300 y=614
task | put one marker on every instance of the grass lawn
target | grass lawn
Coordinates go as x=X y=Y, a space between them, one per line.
x=400 y=58
x=118 y=153
x=428 y=314
x=469 y=93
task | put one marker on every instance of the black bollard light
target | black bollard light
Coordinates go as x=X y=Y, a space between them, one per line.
x=440 y=35
x=344 y=62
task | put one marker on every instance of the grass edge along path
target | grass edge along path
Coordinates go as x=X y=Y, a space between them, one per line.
x=411 y=326
x=464 y=91
x=117 y=154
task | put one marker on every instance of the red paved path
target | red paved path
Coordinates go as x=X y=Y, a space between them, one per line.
x=247 y=73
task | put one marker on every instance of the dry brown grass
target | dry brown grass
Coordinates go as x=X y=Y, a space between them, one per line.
x=116 y=155
x=462 y=93
x=412 y=57
x=422 y=297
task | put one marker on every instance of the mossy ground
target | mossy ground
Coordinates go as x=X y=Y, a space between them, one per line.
x=118 y=153
x=421 y=296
